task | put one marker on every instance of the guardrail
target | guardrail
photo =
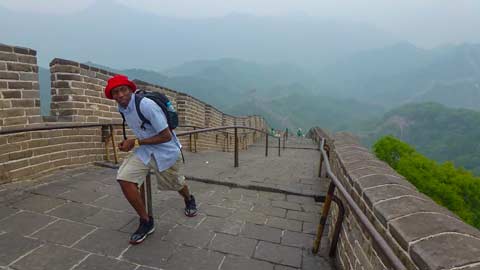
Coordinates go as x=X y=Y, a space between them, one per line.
x=378 y=240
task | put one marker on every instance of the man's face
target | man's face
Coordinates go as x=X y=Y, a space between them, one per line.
x=122 y=95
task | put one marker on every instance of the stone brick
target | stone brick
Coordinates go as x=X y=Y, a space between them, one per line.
x=58 y=61
x=24 y=223
x=105 y=242
x=28 y=59
x=63 y=232
x=303 y=216
x=105 y=263
x=297 y=239
x=65 y=69
x=5 y=48
x=445 y=251
x=279 y=254
x=286 y=224
x=50 y=257
x=201 y=259
x=287 y=205
x=13 y=246
x=388 y=210
x=233 y=245
x=12 y=94
x=74 y=211
x=38 y=203
x=20 y=85
x=261 y=232
x=28 y=76
x=414 y=227
x=190 y=237
x=34 y=94
x=20 y=67
x=6 y=75
x=234 y=263
x=110 y=219
x=8 y=57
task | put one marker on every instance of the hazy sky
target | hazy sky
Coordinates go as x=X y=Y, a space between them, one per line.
x=425 y=23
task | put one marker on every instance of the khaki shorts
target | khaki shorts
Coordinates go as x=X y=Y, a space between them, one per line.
x=133 y=170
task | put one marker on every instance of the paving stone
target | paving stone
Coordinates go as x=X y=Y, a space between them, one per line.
x=283 y=267
x=63 y=232
x=271 y=211
x=278 y=254
x=247 y=216
x=178 y=216
x=51 y=190
x=233 y=245
x=315 y=262
x=114 y=190
x=110 y=219
x=6 y=211
x=38 y=203
x=272 y=195
x=287 y=205
x=241 y=205
x=217 y=211
x=262 y=232
x=105 y=242
x=297 y=239
x=87 y=185
x=104 y=263
x=12 y=246
x=286 y=224
x=50 y=257
x=152 y=252
x=300 y=199
x=188 y=236
x=310 y=228
x=236 y=263
x=303 y=216
x=24 y=223
x=81 y=196
x=315 y=208
x=74 y=211
x=189 y=258
x=221 y=225
x=114 y=203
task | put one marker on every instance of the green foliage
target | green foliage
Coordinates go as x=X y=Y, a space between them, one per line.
x=438 y=132
x=454 y=188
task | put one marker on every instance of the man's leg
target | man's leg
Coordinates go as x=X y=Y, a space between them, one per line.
x=130 y=191
x=185 y=192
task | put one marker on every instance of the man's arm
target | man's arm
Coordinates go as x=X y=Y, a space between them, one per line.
x=162 y=137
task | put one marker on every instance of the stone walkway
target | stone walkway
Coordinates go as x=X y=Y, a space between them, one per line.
x=78 y=219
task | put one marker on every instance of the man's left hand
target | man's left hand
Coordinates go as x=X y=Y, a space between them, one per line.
x=126 y=145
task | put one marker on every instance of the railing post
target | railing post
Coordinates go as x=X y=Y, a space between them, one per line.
x=148 y=182
x=279 y=146
x=236 y=149
x=284 y=139
x=113 y=144
x=323 y=218
x=266 y=144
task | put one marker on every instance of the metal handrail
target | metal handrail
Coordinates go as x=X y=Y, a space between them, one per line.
x=377 y=238
x=204 y=130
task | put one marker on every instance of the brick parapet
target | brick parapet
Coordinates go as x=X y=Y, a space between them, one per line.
x=19 y=88
x=77 y=98
x=422 y=234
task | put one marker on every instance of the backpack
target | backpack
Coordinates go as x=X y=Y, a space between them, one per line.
x=162 y=101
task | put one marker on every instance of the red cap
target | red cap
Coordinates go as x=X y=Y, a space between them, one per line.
x=116 y=81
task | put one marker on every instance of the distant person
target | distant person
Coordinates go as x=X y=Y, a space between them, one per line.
x=155 y=148
x=299 y=132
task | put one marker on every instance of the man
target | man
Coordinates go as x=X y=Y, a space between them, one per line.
x=155 y=148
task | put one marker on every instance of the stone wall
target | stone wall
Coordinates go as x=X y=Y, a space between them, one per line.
x=422 y=234
x=77 y=98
